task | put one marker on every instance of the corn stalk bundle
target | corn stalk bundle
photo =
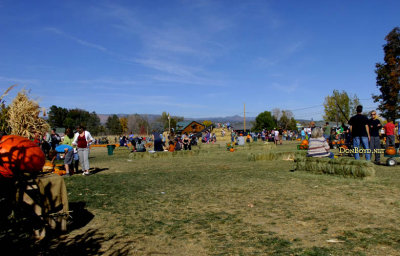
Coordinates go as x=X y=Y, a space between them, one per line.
x=24 y=117
x=342 y=167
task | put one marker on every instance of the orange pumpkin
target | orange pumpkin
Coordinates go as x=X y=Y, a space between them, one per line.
x=19 y=154
x=333 y=142
x=342 y=142
x=390 y=151
x=231 y=149
x=304 y=142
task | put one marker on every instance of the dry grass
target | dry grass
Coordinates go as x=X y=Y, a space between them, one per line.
x=219 y=203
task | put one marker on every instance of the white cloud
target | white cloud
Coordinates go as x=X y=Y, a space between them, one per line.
x=18 y=80
x=78 y=40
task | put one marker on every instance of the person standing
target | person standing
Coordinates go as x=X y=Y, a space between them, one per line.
x=389 y=132
x=82 y=140
x=327 y=131
x=398 y=131
x=280 y=131
x=375 y=142
x=303 y=134
x=186 y=142
x=308 y=129
x=55 y=139
x=71 y=154
x=158 y=144
x=360 y=132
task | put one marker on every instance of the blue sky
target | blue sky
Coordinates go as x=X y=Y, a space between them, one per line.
x=193 y=58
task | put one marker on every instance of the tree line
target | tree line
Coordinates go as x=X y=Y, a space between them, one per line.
x=135 y=123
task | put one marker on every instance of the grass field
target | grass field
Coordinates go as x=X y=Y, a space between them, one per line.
x=220 y=203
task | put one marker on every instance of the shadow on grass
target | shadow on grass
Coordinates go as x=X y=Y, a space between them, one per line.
x=79 y=216
x=17 y=236
x=97 y=170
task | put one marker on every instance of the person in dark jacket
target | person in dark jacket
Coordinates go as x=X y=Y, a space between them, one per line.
x=360 y=132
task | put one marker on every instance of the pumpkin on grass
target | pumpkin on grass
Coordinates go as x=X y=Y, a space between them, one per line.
x=19 y=154
x=232 y=150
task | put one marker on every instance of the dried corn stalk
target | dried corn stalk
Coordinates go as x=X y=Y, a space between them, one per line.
x=7 y=91
x=24 y=117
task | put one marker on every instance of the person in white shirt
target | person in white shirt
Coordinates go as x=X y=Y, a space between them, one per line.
x=82 y=140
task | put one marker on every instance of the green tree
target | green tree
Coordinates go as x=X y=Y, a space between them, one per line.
x=57 y=116
x=264 y=120
x=164 y=120
x=113 y=125
x=77 y=117
x=207 y=123
x=284 y=120
x=387 y=77
x=339 y=106
x=93 y=123
x=292 y=124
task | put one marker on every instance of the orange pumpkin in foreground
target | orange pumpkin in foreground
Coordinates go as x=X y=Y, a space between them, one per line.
x=231 y=149
x=304 y=142
x=19 y=154
x=390 y=151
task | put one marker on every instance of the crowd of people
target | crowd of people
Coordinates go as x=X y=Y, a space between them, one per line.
x=160 y=142
x=363 y=134
x=73 y=147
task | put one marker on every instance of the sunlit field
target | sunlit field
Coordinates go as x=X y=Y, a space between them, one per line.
x=220 y=203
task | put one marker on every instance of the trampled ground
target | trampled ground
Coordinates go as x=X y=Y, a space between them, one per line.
x=219 y=203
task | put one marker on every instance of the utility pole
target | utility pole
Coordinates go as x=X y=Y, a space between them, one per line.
x=244 y=117
x=337 y=113
x=169 y=124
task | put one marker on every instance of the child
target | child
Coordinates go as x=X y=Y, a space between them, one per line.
x=171 y=146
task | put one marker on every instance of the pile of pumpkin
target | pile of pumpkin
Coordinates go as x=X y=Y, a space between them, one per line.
x=19 y=155
x=54 y=168
x=303 y=145
x=338 y=142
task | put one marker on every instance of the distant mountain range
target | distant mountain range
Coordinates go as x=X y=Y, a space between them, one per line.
x=236 y=121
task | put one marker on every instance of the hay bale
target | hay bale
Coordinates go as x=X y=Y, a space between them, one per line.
x=341 y=167
x=24 y=117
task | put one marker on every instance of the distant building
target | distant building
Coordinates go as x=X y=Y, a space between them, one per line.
x=189 y=127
